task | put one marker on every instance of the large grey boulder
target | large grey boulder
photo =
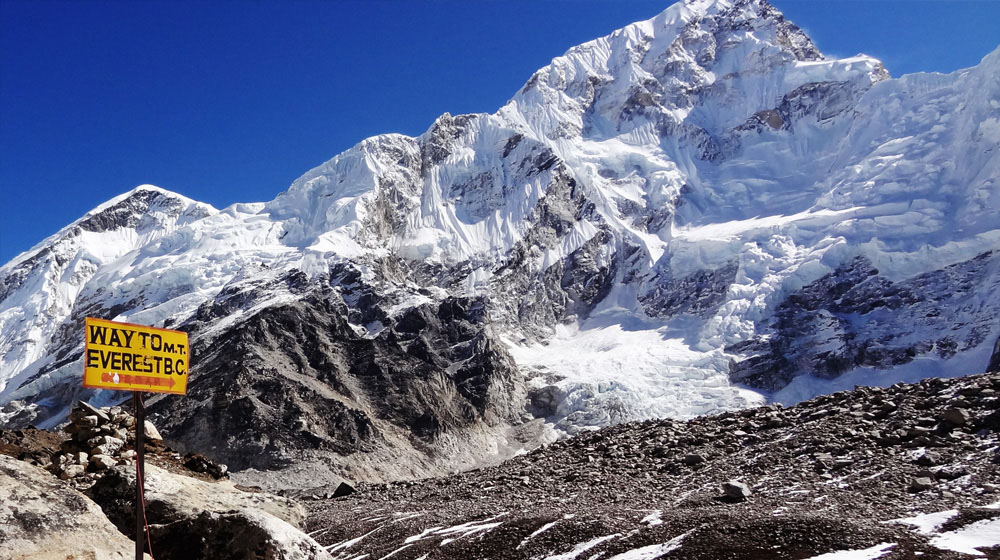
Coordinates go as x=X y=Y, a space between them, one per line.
x=235 y=535
x=173 y=497
x=736 y=490
x=42 y=518
x=191 y=518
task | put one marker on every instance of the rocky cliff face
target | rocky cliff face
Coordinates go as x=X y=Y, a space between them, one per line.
x=691 y=215
x=856 y=318
x=297 y=378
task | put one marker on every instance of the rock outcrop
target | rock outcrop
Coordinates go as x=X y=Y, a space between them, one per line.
x=298 y=380
x=234 y=535
x=172 y=497
x=101 y=438
x=41 y=518
x=198 y=519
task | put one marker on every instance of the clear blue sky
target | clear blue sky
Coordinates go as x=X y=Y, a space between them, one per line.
x=231 y=101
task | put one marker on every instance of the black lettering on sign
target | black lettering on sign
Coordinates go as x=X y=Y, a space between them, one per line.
x=110 y=336
x=179 y=365
x=155 y=342
x=93 y=355
x=98 y=335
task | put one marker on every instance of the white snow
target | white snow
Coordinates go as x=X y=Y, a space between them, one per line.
x=876 y=551
x=981 y=534
x=610 y=371
x=537 y=532
x=580 y=548
x=928 y=523
x=456 y=532
x=966 y=539
x=653 y=519
x=652 y=551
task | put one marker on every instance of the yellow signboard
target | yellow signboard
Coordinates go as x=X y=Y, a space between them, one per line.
x=129 y=357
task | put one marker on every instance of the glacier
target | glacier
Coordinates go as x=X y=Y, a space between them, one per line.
x=642 y=217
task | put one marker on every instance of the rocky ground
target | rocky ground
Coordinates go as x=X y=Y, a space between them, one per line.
x=828 y=475
x=910 y=471
x=96 y=440
x=71 y=494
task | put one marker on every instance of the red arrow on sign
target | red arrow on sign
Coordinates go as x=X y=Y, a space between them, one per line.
x=124 y=378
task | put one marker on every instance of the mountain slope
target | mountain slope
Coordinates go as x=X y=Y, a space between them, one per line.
x=684 y=217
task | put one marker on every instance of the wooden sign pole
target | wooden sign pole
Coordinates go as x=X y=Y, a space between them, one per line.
x=140 y=452
x=137 y=358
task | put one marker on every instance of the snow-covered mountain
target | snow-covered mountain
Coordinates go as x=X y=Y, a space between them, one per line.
x=693 y=214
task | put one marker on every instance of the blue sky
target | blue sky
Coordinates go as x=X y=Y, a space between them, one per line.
x=230 y=101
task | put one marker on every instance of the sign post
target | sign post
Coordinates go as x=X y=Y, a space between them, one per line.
x=140 y=473
x=127 y=357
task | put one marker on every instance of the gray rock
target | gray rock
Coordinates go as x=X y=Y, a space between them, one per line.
x=824 y=457
x=84 y=409
x=172 y=497
x=102 y=462
x=210 y=535
x=736 y=490
x=151 y=433
x=109 y=446
x=921 y=483
x=956 y=416
x=928 y=459
x=343 y=489
x=71 y=471
x=45 y=519
x=693 y=459
x=87 y=422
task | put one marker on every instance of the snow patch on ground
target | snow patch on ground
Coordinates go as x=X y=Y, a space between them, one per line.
x=876 y=551
x=652 y=551
x=967 y=539
x=582 y=547
x=981 y=534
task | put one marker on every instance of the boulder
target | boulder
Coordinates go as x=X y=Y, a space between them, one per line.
x=343 y=489
x=234 y=535
x=199 y=463
x=84 y=409
x=173 y=497
x=191 y=518
x=151 y=434
x=71 y=471
x=956 y=416
x=736 y=490
x=102 y=462
x=692 y=459
x=928 y=459
x=43 y=519
x=921 y=483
